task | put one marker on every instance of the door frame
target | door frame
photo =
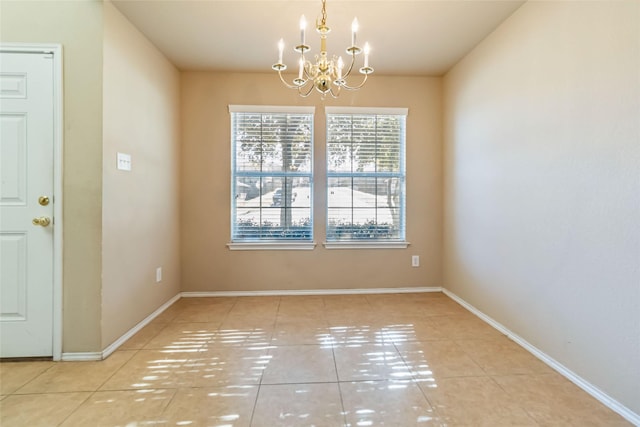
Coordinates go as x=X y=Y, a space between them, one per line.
x=58 y=140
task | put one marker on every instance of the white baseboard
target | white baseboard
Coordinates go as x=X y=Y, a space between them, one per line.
x=311 y=292
x=131 y=332
x=594 y=391
x=100 y=355
x=81 y=356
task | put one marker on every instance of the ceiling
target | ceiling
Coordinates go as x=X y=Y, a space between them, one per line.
x=407 y=37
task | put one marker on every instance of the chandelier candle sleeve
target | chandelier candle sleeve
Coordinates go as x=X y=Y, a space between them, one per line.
x=280 y=50
x=303 y=27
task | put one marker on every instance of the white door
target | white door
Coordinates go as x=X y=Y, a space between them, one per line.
x=26 y=204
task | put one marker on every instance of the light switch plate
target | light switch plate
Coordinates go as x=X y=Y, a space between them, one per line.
x=124 y=162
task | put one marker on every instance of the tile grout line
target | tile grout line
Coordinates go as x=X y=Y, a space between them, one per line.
x=269 y=347
x=335 y=367
x=173 y=396
x=31 y=380
x=524 y=408
x=117 y=370
x=226 y=316
x=91 y=394
x=415 y=380
x=255 y=404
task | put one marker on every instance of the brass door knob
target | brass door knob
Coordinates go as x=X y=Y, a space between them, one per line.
x=43 y=200
x=43 y=221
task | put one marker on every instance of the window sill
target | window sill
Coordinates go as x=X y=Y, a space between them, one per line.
x=366 y=245
x=271 y=246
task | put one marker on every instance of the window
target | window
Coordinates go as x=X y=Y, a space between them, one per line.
x=365 y=175
x=272 y=179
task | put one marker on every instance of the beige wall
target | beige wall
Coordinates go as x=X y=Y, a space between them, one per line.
x=140 y=208
x=542 y=180
x=77 y=25
x=118 y=231
x=208 y=265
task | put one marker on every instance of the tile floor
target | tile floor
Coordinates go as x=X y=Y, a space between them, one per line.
x=365 y=360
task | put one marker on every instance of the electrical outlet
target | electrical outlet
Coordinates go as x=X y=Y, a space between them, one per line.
x=415 y=261
x=158 y=274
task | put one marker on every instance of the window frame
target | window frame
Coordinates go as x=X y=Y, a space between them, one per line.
x=263 y=243
x=375 y=243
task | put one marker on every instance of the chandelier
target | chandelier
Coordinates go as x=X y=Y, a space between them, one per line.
x=326 y=75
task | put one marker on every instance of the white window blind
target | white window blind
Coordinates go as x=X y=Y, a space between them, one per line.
x=365 y=174
x=272 y=179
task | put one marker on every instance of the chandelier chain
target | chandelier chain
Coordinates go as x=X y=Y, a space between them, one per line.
x=323 y=20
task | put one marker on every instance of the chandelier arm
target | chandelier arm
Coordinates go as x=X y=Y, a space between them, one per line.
x=356 y=87
x=348 y=72
x=302 y=94
x=289 y=86
x=305 y=69
x=335 y=95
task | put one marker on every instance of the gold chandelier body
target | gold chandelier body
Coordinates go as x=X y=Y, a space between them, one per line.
x=326 y=75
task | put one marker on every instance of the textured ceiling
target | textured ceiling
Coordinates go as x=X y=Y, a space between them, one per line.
x=412 y=37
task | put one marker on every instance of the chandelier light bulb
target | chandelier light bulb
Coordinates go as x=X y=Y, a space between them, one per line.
x=303 y=27
x=280 y=50
x=354 y=30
